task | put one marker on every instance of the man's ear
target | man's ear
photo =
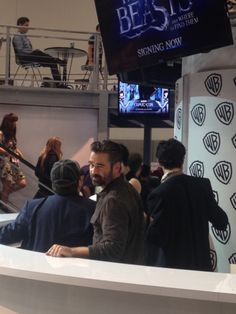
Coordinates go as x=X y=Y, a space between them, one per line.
x=117 y=167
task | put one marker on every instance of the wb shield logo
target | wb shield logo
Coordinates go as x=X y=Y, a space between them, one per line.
x=233 y=200
x=216 y=196
x=213 y=258
x=234 y=140
x=225 y=112
x=211 y=142
x=222 y=236
x=198 y=114
x=223 y=171
x=179 y=118
x=232 y=259
x=213 y=84
x=196 y=169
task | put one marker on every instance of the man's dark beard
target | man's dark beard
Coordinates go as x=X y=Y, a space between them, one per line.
x=97 y=180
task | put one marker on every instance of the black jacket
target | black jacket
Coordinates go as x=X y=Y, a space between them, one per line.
x=43 y=174
x=181 y=208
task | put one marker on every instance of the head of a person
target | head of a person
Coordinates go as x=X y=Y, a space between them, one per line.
x=170 y=154
x=166 y=94
x=23 y=24
x=8 y=125
x=54 y=145
x=135 y=164
x=65 y=177
x=125 y=154
x=87 y=188
x=145 y=171
x=105 y=162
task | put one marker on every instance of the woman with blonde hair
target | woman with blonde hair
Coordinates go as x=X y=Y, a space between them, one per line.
x=11 y=175
x=48 y=156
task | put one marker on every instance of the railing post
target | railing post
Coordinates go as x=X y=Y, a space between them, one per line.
x=105 y=77
x=8 y=55
x=95 y=74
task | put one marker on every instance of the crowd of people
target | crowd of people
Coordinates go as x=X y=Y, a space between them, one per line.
x=137 y=218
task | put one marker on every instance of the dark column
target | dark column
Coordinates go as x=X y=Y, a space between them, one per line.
x=147 y=144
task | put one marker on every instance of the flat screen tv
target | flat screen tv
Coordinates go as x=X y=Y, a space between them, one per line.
x=140 y=33
x=141 y=101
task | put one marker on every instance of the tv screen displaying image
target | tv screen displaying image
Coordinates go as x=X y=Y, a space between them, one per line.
x=137 y=34
x=140 y=100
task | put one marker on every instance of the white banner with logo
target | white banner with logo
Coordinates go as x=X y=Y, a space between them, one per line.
x=205 y=123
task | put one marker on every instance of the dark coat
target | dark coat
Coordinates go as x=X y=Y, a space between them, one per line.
x=181 y=208
x=57 y=219
x=43 y=174
x=118 y=224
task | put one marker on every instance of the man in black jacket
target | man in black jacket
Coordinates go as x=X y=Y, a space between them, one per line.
x=63 y=218
x=180 y=209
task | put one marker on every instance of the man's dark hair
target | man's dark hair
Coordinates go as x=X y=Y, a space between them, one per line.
x=135 y=162
x=125 y=153
x=22 y=20
x=114 y=150
x=170 y=154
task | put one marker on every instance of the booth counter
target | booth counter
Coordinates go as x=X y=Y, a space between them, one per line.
x=32 y=282
x=7 y=218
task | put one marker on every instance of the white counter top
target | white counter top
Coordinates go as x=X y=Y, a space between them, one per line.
x=6 y=218
x=118 y=277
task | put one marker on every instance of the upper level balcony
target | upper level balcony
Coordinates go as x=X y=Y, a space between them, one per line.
x=70 y=46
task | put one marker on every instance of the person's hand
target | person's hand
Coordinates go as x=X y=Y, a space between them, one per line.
x=59 y=251
x=18 y=152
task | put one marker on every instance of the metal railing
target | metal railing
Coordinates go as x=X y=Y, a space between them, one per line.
x=79 y=77
x=18 y=199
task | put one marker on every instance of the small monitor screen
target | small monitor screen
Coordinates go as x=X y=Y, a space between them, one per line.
x=138 y=100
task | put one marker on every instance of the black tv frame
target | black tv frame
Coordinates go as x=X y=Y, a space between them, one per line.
x=145 y=117
x=193 y=26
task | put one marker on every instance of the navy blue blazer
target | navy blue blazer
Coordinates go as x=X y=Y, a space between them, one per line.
x=56 y=219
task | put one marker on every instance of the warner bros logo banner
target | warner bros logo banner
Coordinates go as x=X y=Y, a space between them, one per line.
x=220 y=235
x=196 y=169
x=179 y=118
x=213 y=84
x=198 y=114
x=234 y=140
x=223 y=171
x=211 y=142
x=225 y=112
x=233 y=200
x=232 y=259
x=213 y=257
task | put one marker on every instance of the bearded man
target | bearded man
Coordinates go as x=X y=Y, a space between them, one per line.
x=118 y=220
